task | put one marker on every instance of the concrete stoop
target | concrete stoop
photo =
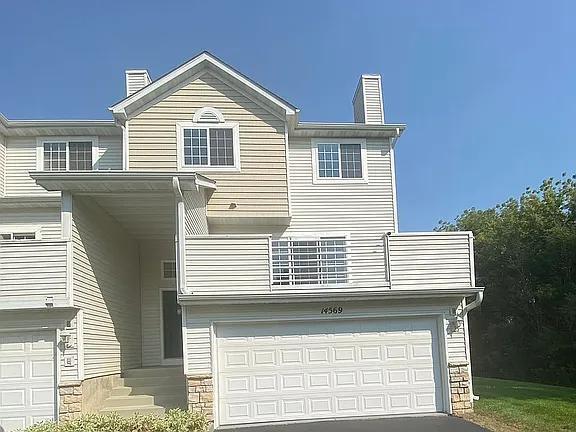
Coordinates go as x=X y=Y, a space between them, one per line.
x=151 y=390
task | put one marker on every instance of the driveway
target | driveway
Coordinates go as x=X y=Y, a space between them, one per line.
x=398 y=424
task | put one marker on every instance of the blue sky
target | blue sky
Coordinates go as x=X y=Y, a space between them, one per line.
x=488 y=89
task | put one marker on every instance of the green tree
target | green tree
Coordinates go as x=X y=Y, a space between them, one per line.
x=525 y=254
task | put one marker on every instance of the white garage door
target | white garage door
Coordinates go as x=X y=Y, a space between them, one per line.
x=324 y=369
x=26 y=379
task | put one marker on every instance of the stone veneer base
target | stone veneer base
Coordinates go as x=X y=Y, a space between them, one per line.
x=201 y=395
x=460 y=397
x=70 y=400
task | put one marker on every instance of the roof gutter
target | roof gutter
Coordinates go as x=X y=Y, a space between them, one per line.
x=291 y=297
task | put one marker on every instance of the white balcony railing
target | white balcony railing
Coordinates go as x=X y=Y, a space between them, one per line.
x=33 y=273
x=328 y=262
x=226 y=264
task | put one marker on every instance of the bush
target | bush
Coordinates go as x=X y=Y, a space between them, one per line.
x=173 y=421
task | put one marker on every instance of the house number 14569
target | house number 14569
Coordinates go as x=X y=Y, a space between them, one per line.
x=331 y=310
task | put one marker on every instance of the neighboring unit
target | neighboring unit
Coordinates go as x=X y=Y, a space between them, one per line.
x=206 y=249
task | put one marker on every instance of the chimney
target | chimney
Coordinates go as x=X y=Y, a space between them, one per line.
x=367 y=102
x=135 y=80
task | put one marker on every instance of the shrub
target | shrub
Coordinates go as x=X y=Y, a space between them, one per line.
x=173 y=421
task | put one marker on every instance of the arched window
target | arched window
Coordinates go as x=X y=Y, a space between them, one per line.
x=208 y=115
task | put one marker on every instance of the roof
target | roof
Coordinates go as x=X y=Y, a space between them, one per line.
x=189 y=69
x=352 y=130
x=58 y=127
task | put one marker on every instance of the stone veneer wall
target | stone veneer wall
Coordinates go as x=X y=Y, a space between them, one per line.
x=460 y=387
x=96 y=390
x=77 y=397
x=70 y=400
x=201 y=395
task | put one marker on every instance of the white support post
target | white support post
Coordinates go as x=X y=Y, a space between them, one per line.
x=180 y=237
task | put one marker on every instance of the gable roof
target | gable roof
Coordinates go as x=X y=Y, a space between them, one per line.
x=188 y=69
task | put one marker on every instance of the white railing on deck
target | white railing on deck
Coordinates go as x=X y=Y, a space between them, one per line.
x=236 y=264
x=328 y=262
x=431 y=260
x=32 y=271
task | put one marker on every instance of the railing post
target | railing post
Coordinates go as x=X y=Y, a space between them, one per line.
x=270 y=263
x=387 y=257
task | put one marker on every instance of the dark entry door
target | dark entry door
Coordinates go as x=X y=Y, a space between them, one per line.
x=171 y=326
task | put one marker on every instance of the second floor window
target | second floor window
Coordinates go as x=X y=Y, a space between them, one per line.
x=339 y=161
x=208 y=142
x=67 y=155
x=209 y=147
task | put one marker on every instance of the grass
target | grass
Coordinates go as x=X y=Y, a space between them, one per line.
x=510 y=406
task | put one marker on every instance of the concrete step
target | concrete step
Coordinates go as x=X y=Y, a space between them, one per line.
x=160 y=389
x=154 y=381
x=161 y=372
x=171 y=401
x=128 y=401
x=128 y=411
x=121 y=391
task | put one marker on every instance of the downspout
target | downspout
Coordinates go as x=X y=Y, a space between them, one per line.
x=464 y=313
x=473 y=305
x=180 y=237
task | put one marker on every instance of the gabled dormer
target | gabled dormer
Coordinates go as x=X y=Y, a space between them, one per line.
x=206 y=117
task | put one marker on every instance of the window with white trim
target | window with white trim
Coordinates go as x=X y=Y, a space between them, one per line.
x=340 y=161
x=309 y=262
x=209 y=146
x=70 y=155
x=18 y=236
x=168 y=269
x=208 y=142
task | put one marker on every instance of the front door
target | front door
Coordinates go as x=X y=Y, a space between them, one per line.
x=171 y=328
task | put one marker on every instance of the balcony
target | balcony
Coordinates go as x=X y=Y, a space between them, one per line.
x=258 y=264
x=33 y=274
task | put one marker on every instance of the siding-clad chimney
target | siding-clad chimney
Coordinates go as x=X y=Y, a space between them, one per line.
x=135 y=80
x=367 y=102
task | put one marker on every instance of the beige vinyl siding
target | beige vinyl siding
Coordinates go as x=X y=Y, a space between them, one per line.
x=261 y=186
x=456 y=343
x=199 y=320
x=373 y=100
x=358 y=105
x=105 y=268
x=359 y=208
x=434 y=260
x=20 y=160
x=195 y=208
x=31 y=271
x=220 y=265
x=2 y=164
x=152 y=253
x=110 y=153
x=46 y=220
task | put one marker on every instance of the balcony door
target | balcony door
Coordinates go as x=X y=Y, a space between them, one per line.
x=171 y=328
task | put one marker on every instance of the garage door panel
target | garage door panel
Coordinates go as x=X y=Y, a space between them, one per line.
x=26 y=379
x=328 y=405
x=299 y=370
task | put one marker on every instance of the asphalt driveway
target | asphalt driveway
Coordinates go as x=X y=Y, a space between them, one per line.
x=397 y=424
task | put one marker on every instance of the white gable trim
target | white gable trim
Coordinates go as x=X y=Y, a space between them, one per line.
x=120 y=107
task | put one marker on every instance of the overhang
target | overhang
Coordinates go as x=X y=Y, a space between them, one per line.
x=326 y=295
x=91 y=182
x=347 y=130
x=58 y=127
